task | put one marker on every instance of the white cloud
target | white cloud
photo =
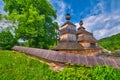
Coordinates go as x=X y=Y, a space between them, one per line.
x=77 y=25
x=4 y=24
x=61 y=11
x=102 y=23
x=99 y=8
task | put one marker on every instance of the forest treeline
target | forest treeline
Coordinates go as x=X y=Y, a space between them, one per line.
x=111 y=43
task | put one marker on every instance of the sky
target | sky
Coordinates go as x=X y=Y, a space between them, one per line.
x=101 y=17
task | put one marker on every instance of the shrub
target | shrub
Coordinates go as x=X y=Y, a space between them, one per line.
x=7 y=40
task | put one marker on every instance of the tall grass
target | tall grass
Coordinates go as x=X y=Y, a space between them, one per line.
x=20 y=67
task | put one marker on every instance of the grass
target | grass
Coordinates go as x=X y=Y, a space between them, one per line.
x=20 y=67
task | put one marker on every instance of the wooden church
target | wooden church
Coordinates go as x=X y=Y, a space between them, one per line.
x=77 y=41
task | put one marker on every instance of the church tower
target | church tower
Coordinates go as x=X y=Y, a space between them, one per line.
x=86 y=38
x=76 y=42
x=68 y=41
x=68 y=30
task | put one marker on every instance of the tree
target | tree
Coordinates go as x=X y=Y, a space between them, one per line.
x=0 y=19
x=35 y=21
x=0 y=16
x=7 y=40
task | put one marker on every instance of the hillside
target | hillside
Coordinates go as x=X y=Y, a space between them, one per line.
x=20 y=67
x=111 y=43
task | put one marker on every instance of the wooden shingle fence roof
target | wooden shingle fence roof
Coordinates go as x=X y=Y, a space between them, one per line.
x=72 y=45
x=68 y=58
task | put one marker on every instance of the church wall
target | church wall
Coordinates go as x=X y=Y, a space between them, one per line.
x=63 y=37
x=85 y=44
x=81 y=35
x=71 y=27
x=87 y=52
x=68 y=37
x=96 y=44
x=72 y=37
x=88 y=45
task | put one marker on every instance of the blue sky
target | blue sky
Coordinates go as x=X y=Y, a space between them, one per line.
x=101 y=17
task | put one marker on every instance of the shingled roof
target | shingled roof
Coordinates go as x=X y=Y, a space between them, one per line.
x=73 y=45
x=82 y=30
x=87 y=38
x=59 y=57
x=64 y=31
x=68 y=22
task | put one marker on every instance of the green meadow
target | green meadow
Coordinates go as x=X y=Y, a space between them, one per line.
x=21 y=67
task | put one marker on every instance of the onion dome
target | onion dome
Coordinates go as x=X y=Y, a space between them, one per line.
x=81 y=23
x=68 y=16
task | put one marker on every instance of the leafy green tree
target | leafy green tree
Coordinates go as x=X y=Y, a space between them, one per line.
x=0 y=19
x=0 y=16
x=35 y=21
x=7 y=40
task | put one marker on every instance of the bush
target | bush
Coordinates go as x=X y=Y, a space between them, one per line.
x=7 y=40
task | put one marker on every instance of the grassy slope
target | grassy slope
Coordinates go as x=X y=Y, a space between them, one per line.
x=20 y=67
x=111 y=43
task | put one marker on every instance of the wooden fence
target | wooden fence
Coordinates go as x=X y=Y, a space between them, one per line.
x=59 y=57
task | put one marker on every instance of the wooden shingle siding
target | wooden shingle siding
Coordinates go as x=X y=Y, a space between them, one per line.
x=68 y=58
x=100 y=61
x=67 y=31
x=91 y=60
x=118 y=62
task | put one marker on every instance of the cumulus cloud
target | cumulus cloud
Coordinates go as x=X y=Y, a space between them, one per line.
x=101 y=22
x=61 y=6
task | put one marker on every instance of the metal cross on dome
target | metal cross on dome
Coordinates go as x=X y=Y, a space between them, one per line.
x=81 y=23
x=68 y=17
